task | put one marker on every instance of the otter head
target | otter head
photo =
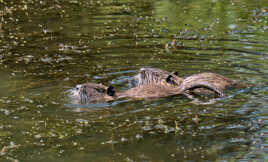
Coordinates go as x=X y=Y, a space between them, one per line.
x=147 y=76
x=92 y=92
x=150 y=76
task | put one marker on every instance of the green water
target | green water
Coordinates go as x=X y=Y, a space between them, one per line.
x=47 y=47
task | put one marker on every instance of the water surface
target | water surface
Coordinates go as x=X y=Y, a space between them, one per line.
x=47 y=47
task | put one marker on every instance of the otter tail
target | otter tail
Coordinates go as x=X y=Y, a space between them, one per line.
x=201 y=84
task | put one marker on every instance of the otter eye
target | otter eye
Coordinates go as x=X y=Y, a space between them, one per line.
x=111 y=91
x=169 y=79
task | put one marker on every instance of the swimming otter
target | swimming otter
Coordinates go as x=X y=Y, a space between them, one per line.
x=92 y=92
x=210 y=81
x=162 y=87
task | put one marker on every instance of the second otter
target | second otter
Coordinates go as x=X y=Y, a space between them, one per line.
x=209 y=81
x=152 y=83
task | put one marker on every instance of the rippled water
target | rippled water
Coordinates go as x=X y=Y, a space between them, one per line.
x=47 y=47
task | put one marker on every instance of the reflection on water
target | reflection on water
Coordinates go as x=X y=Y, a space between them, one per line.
x=48 y=47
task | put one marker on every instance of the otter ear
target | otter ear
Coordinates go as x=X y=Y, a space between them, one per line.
x=110 y=91
x=175 y=73
x=169 y=79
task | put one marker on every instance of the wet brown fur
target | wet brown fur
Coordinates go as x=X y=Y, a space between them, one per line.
x=153 y=90
x=152 y=83
x=215 y=80
x=161 y=90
